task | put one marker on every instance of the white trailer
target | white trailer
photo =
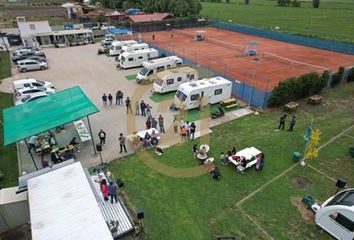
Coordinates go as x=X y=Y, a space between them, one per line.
x=135 y=47
x=150 y=68
x=336 y=215
x=170 y=80
x=203 y=92
x=116 y=46
x=136 y=58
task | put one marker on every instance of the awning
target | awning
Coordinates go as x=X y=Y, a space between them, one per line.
x=40 y=115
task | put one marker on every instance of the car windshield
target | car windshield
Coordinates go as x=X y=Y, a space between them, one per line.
x=143 y=71
x=25 y=99
x=159 y=82
x=181 y=96
x=43 y=83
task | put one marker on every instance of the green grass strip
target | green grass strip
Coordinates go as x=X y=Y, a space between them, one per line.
x=162 y=97
x=131 y=77
x=5 y=65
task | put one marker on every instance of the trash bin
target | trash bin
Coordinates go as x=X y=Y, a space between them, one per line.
x=296 y=157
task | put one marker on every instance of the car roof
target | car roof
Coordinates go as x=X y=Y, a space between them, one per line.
x=26 y=60
x=31 y=88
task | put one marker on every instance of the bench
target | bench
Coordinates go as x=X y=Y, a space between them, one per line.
x=231 y=105
x=291 y=107
x=315 y=99
x=230 y=101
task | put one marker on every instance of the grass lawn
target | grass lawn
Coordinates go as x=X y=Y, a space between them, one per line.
x=8 y=154
x=162 y=97
x=178 y=207
x=329 y=21
x=5 y=65
x=130 y=77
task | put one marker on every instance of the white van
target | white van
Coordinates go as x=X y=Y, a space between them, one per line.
x=135 y=47
x=116 y=46
x=151 y=68
x=169 y=80
x=202 y=92
x=136 y=58
x=30 y=82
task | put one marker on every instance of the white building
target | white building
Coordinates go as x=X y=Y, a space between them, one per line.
x=35 y=33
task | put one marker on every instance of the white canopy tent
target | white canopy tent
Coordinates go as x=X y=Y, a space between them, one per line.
x=63 y=206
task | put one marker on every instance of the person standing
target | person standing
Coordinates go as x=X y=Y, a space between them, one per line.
x=122 y=143
x=32 y=143
x=121 y=97
x=128 y=104
x=187 y=126
x=292 y=123
x=153 y=123
x=153 y=37
x=137 y=112
x=142 y=108
x=162 y=128
x=113 y=191
x=282 y=122
x=117 y=97
x=192 y=130
x=102 y=136
x=104 y=100
x=104 y=189
x=110 y=99
x=148 y=110
x=175 y=126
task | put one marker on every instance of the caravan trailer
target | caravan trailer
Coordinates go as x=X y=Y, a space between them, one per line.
x=151 y=68
x=116 y=46
x=135 y=47
x=202 y=92
x=136 y=58
x=336 y=215
x=169 y=80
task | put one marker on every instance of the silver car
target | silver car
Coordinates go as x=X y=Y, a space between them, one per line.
x=29 y=65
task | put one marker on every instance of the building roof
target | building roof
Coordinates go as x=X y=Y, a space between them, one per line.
x=33 y=28
x=10 y=31
x=149 y=17
x=63 y=206
x=204 y=83
x=40 y=115
x=74 y=31
x=115 y=13
x=9 y=195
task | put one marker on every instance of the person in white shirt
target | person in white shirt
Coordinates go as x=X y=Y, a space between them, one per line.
x=32 y=143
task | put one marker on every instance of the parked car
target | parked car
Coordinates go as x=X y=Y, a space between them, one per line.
x=29 y=65
x=30 y=82
x=37 y=58
x=31 y=97
x=24 y=92
x=26 y=54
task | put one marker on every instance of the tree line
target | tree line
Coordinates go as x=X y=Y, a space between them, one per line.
x=179 y=8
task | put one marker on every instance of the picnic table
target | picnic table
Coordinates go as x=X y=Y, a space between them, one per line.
x=229 y=103
x=291 y=107
x=142 y=133
x=249 y=153
x=315 y=99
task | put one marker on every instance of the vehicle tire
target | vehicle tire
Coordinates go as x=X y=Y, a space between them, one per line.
x=23 y=70
x=42 y=68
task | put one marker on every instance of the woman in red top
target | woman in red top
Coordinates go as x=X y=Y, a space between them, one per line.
x=104 y=189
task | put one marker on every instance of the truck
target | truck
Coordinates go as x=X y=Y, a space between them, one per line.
x=150 y=68
x=136 y=58
x=116 y=46
x=197 y=94
x=169 y=80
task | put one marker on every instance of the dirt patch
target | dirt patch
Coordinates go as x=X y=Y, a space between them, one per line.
x=305 y=213
x=300 y=182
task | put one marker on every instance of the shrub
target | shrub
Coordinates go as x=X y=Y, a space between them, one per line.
x=296 y=88
x=315 y=3
x=247 y=2
x=337 y=77
x=296 y=3
x=350 y=77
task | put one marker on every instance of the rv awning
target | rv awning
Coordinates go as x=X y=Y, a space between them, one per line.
x=40 y=115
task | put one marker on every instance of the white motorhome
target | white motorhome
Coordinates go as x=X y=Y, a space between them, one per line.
x=136 y=58
x=116 y=46
x=336 y=215
x=135 y=47
x=202 y=92
x=169 y=80
x=151 y=68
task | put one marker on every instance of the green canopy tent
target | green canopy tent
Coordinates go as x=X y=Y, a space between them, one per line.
x=43 y=114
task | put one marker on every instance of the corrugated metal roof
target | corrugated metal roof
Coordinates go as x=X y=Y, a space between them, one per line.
x=116 y=211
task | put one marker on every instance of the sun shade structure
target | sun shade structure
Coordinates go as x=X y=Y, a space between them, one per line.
x=40 y=115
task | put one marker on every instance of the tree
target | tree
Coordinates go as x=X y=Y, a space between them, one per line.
x=316 y=3
x=312 y=147
x=247 y=2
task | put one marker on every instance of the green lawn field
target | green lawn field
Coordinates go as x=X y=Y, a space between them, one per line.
x=332 y=20
x=180 y=207
x=5 y=65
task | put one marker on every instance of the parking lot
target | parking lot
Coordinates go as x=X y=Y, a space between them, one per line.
x=96 y=74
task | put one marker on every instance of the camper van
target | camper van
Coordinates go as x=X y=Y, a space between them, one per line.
x=202 y=92
x=169 y=80
x=116 y=46
x=336 y=215
x=136 y=58
x=151 y=68
x=135 y=47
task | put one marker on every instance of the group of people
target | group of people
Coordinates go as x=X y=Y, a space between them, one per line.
x=150 y=140
x=109 y=190
x=108 y=99
x=187 y=131
x=291 y=123
x=200 y=153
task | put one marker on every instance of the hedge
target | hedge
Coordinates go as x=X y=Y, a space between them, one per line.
x=350 y=77
x=297 y=88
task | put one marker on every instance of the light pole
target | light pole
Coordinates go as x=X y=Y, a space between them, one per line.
x=255 y=61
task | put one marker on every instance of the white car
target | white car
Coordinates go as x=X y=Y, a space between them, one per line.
x=31 y=97
x=28 y=65
x=24 y=92
x=30 y=82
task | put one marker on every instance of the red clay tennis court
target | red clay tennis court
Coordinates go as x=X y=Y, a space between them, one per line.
x=223 y=50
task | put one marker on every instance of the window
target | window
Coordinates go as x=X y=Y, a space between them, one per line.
x=191 y=77
x=140 y=57
x=169 y=81
x=32 y=27
x=150 y=73
x=28 y=85
x=181 y=96
x=343 y=221
x=160 y=69
x=130 y=59
x=179 y=79
x=194 y=97
x=218 y=91
x=179 y=64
